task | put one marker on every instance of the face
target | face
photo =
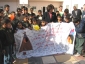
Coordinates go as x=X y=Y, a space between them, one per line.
x=77 y=23
x=39 y=13
x=51 y=10
x=25 y=19
x=84 y=7
x=65 y=14
x=20 y=25
x=26 y=11
x=1 y=14
x=60 y=8
x=23 y=11
x=59 y=19
x=74 y=8
x=8 y=25
x=34 y=22
x=19 y=12
x=57 y=12
x=43 y=23
x=66 y=20
x=7 y=8
x=31 y=10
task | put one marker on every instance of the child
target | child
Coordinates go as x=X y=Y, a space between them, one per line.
x=43 y=23
x=20 y=26
x=67 y=19
x=59 y=19
x=7 y=37
x=35 y=24
x=25 y=21
x=80 y=36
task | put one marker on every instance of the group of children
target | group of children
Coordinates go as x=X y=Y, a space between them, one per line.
x=12 y=22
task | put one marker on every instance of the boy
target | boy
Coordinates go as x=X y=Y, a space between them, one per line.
x=80 y=36
x=67 y=19
x=7 y=37
x=59 y=19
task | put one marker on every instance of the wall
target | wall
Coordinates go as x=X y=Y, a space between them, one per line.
x=38 y=4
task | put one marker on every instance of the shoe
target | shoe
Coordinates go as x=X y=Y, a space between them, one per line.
x=77 y=55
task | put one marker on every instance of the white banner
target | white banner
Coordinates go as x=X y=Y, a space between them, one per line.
x=54 y=38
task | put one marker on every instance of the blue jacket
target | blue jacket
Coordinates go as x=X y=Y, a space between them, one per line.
x=80 y=29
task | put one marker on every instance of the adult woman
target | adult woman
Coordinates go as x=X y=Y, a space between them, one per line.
x=49 y=16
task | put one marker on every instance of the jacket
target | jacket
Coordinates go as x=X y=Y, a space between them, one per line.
x=80 y=30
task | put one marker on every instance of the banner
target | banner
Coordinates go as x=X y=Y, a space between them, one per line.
x=54 y=38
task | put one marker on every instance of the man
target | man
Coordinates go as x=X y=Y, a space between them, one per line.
x=39 y=16
x=6 y=10
x=31 y=12
x=83 y=13
x=76 y=13
x=60 y=10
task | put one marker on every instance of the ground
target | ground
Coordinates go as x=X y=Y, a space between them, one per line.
x=54 y=59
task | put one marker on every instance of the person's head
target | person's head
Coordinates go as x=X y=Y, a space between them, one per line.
x=60 y=8
x=66 y=11
x=84 y=6
x=67 y=19
x=30 y=16
x=50 y=8
x=19 y=25
x=31 y=10
x=6 y=23
x=26 y=10
x=1 y=13
x=12 y=15
x=25 y=18
x=59 y=18
x=57 y=12
x=6 y=7
x=74 y=7
x=43 y=23
x=19 y=11
x=76 y=21
x=23 y=9
x=39 y=12
x=34 y=21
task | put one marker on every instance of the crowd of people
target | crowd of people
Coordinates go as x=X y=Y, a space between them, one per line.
x=20 y=19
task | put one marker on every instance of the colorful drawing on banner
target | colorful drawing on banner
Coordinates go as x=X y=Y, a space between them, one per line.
x=70 y=39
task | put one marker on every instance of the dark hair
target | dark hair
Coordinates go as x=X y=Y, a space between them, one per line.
x=49 y=7
x=76 y=20
x=22 y=7
x=13 y=12
x=26 y=8
x=60 y=6
x=18 y=9
x=66 y=11
x=24 y=16
x=6 y=21
x=1 y=10
x=39 y=11
x=68 y=18
x=34 y=19
x=57 y=11
x=6 y=6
